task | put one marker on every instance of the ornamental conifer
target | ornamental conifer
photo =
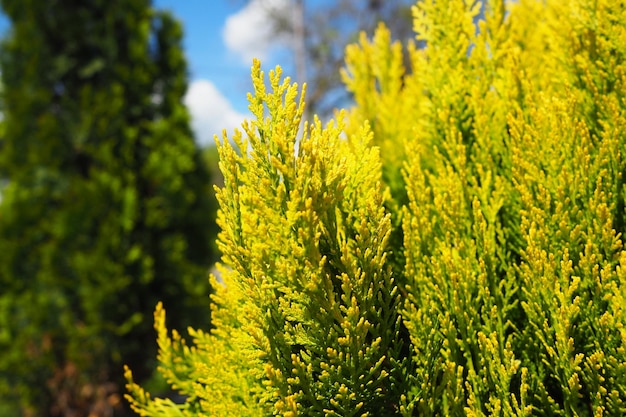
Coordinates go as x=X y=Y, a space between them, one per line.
x=451 y=245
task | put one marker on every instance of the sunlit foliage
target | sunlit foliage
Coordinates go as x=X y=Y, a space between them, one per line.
x=452 y=245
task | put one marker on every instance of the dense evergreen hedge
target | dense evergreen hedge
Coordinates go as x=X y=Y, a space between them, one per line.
x=452 y=245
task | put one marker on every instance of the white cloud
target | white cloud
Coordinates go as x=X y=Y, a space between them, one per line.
x=211 y=112
x=249 y=32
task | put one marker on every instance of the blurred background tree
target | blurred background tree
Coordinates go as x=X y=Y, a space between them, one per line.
x=107 y=205
x=318 y=32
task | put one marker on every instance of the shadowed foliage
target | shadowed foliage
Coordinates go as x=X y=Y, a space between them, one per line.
x=106 y=207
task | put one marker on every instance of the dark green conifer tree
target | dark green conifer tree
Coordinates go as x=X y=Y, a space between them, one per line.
x=107 y=206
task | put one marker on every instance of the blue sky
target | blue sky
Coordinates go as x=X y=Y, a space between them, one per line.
x=221 y=37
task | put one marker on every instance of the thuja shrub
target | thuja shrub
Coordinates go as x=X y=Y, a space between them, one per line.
x=452 y=245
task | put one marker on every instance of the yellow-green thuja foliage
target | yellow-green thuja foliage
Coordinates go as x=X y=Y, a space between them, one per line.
x=452 y=245
x=307 y=309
